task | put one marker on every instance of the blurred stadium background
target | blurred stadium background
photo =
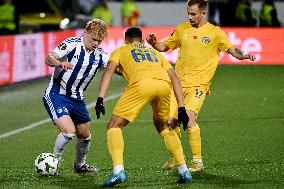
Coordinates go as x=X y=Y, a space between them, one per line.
x=242 y=121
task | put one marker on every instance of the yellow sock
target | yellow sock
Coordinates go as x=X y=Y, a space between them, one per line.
x=173 y=144
x=115 y=145
x=193 y=135
x=177 y=130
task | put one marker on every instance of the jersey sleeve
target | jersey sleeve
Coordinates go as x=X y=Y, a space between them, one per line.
x=105 y=58
x=223 y=41
x=65 y=47
x=173 y=41
x=115 y=56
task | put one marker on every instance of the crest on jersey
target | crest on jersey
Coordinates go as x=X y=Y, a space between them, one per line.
x=205 y=40
x=62 y=46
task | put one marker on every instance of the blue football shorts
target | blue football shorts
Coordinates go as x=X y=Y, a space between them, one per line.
x=58 y=105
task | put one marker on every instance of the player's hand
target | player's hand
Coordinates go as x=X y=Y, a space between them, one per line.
x=100 y=108
x=151 y=39
x=182 y=117
x=65 y=65
x=251 y=57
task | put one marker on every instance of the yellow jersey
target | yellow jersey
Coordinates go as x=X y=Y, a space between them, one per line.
x=199 y=52
x=137 y=62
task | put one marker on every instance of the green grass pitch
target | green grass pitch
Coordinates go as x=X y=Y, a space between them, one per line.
x=242 y=128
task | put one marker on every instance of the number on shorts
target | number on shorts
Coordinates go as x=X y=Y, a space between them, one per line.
x=198 y=93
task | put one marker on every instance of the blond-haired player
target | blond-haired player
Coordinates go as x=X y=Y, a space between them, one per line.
x=149 y=78
x=64 y=99
x=200 y=44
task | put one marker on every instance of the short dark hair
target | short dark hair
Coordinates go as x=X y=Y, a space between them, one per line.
x=202 y=4
x=133 y=32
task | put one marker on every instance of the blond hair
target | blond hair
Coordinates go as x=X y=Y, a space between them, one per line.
x=98 y=28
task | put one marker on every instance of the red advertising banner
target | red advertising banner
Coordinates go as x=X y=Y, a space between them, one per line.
x=22 y=57
x=267 y=44
x=6 y=59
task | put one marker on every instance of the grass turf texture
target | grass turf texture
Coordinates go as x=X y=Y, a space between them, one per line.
x=242 y=127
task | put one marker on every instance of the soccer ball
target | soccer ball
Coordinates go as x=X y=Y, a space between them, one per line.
x=46 y=164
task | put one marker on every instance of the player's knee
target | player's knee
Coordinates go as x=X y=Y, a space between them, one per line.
x=192 y=119
x=83 y=130
x=160 y=124
x=117 y=122
x=83 y=133
x=172 y=123
x=68 y=130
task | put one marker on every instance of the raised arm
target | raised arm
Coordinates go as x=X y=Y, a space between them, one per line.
x=177 y=86
x=159 y=46
x=239 y=54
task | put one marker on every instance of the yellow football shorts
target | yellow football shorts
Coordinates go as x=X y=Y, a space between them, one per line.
x=193 y=100
x=147 y=91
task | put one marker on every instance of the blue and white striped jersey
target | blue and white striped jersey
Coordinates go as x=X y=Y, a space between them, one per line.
x=75 y=81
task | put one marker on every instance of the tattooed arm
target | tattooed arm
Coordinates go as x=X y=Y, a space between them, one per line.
x=239 y=54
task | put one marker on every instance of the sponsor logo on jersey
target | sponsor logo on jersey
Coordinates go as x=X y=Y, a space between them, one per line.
x=205 y=40
x=62 y=46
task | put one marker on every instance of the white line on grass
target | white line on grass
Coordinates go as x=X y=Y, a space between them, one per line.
x=39 y=123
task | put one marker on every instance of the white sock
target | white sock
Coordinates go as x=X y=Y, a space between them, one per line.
x=117 y=169
x=60 y=143
x=82 y=148
x=182 y=168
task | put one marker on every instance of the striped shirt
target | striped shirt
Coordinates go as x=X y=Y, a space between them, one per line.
x=85 y=65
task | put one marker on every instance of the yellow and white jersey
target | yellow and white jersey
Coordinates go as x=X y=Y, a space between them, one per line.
x=137 y=62
x=199 y=52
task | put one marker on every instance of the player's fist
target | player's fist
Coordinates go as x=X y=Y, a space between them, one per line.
x=100 y=108
x=151 y=39
x=182 y=117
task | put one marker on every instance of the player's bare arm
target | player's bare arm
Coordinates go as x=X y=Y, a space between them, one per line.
x=159 y=46
x=239 y=54
x=182 y=114
x=106 y=78
x=52 y=60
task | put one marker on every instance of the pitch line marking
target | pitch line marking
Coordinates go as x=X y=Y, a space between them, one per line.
x=39 y=123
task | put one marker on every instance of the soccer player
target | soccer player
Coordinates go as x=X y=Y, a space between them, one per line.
x=64 y=99
x=149 y=78
x=200 y=44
